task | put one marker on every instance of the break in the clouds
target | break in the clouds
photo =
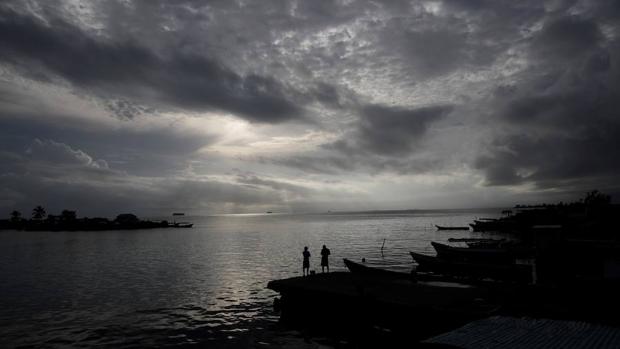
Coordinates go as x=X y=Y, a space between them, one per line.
x=236 y=106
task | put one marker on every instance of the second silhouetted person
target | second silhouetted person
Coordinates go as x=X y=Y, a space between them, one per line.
x=325 y=258
x=306 y=265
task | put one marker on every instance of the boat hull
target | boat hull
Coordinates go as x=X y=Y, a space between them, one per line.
x=501 y=272
x=473 y=255
x=440 y=227
x=363 y=270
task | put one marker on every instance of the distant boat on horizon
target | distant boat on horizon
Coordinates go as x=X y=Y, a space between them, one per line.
x=182 y=225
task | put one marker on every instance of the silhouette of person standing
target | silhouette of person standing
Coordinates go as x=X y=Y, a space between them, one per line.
x=325 y=258
x=306 y=265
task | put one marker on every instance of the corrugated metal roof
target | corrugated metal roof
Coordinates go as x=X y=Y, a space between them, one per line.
x=508 y=332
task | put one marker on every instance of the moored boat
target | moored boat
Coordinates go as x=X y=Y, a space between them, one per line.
x=493 y=224
x=501 y=272
x=474 y=240
x=183 y=225
x=464 y=254
x=488 y=244
x=442 y=227
x=364 y=270
x=176 y=224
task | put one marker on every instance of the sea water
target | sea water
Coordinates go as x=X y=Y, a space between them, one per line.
x=203 y=285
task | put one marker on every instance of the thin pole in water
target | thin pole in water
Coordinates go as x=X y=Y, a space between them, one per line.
x=382 y=247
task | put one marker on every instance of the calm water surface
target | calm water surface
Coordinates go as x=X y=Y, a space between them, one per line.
x=177 y=287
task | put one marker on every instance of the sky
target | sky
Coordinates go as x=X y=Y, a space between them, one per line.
x=159 y=106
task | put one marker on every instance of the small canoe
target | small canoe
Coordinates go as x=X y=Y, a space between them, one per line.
x=441 y=227
x=364 y=270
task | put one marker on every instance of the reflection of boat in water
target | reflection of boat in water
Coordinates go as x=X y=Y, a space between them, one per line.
x=363 y=270
x=503 y=272
x=465 y=254
x=441 y=227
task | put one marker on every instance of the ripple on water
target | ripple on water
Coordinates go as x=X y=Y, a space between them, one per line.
x=167 y=287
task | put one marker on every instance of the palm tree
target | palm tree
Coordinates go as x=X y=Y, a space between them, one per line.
x=16 y=216
x=38 y=213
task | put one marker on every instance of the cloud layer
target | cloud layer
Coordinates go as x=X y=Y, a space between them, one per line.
x=235 y=107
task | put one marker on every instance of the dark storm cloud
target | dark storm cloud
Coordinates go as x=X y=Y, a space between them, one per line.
x=430 y=52
x=156 y=151
x=394 y=130
x=460 y=36
x=182 y=79
x=563 y=129
x=384 y=140
x=551 y=160
x=520 y=92
x=331 y=95
x=571 y=152
x=566 y=37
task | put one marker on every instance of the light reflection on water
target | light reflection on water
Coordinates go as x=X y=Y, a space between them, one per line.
x=185 y=286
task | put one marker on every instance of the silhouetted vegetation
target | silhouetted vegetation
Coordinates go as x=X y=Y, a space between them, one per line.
x=16 y=216
x=38 y=213
x=593 y=216
x=68 y=220
x=68 y=216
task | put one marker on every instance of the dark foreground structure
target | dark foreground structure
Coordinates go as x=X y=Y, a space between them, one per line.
x=510 y=332
x=371 y=310
x=361 y=307
x=566 y=296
